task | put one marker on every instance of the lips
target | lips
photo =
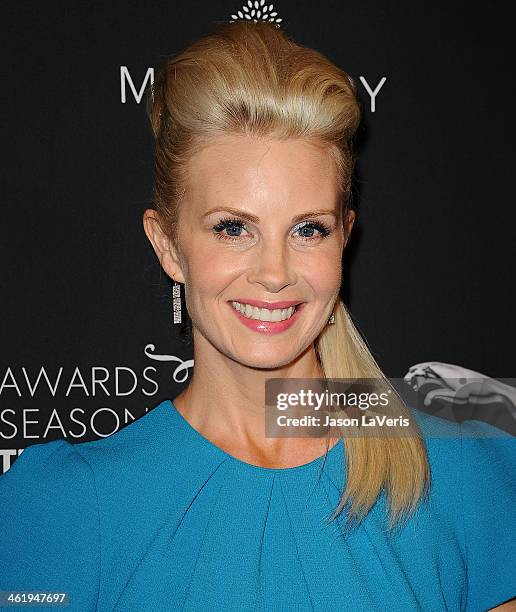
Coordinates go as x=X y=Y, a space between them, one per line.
x=268 y=305
x=265 y=326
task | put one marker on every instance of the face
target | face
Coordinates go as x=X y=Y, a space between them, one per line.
x=259 y=247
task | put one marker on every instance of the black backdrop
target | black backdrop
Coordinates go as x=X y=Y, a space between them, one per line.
x=430 y=267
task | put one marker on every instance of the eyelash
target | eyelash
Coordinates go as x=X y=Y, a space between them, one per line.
x=227 y=222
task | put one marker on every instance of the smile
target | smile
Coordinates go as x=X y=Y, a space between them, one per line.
x=264 y=314
x=265 y=317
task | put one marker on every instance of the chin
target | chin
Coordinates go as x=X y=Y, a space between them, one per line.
x=264 y=360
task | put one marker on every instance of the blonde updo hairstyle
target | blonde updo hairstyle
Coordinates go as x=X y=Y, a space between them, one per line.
x=252 y=79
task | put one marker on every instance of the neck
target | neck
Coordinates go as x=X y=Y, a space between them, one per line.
x=225 y=400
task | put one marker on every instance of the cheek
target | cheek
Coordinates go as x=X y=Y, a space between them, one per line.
x=323 y=273
x=212 y=270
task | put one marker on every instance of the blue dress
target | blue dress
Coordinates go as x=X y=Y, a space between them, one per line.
x=156 y=517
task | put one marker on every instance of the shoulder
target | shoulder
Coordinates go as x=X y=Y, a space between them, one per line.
x=479 y=459
x=60 y=463
x=466 y=437
x=63 y=505
x=480 y=449
x=143 y=472
x=71 y=512
x=433 y=426
x=471 y=451
x=153 y=455
x=53 y=467
x=50 y=523
x=488 y=460
x=141 y=452
x=137 y=450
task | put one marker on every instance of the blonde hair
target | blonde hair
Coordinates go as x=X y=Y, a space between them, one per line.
x=252 y=79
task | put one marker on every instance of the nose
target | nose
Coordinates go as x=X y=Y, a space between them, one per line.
x=273 y=269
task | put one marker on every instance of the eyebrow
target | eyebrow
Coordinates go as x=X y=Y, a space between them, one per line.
x=254 y=219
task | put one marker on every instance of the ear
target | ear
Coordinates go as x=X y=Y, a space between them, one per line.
x=163 y=247
x=348 y=225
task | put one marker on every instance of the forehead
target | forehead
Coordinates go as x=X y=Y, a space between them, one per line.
x=234 y=168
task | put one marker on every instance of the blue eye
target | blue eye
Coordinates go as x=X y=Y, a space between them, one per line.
x=232 y=226
x=307 y=228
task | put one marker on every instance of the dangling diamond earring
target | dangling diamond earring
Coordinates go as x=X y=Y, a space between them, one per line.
x=331 y=320
x=176 y=302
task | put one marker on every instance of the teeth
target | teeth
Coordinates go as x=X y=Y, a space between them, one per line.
x=264 y=314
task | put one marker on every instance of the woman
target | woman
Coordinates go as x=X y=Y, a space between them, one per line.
x=192 y=507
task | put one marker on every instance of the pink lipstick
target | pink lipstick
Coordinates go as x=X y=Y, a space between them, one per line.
x=269 y=327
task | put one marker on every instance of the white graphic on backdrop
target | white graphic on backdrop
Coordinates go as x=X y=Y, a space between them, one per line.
x=127 y=82
x=33 y=421
x=252 y=10
x=125 y=78
x=257 y=11
x=456 y=393
x=182 y=367
x=373 y=93
x=91 y=382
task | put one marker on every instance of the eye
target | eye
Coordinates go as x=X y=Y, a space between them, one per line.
x=232 y=226
x=306 y=230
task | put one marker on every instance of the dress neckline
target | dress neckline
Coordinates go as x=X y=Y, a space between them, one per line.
x=190 y=430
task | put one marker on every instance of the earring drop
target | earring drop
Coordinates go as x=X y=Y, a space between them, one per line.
x=331 y=320
x=176 y=302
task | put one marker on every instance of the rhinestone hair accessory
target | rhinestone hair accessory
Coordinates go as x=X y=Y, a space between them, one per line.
x=257 y=10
